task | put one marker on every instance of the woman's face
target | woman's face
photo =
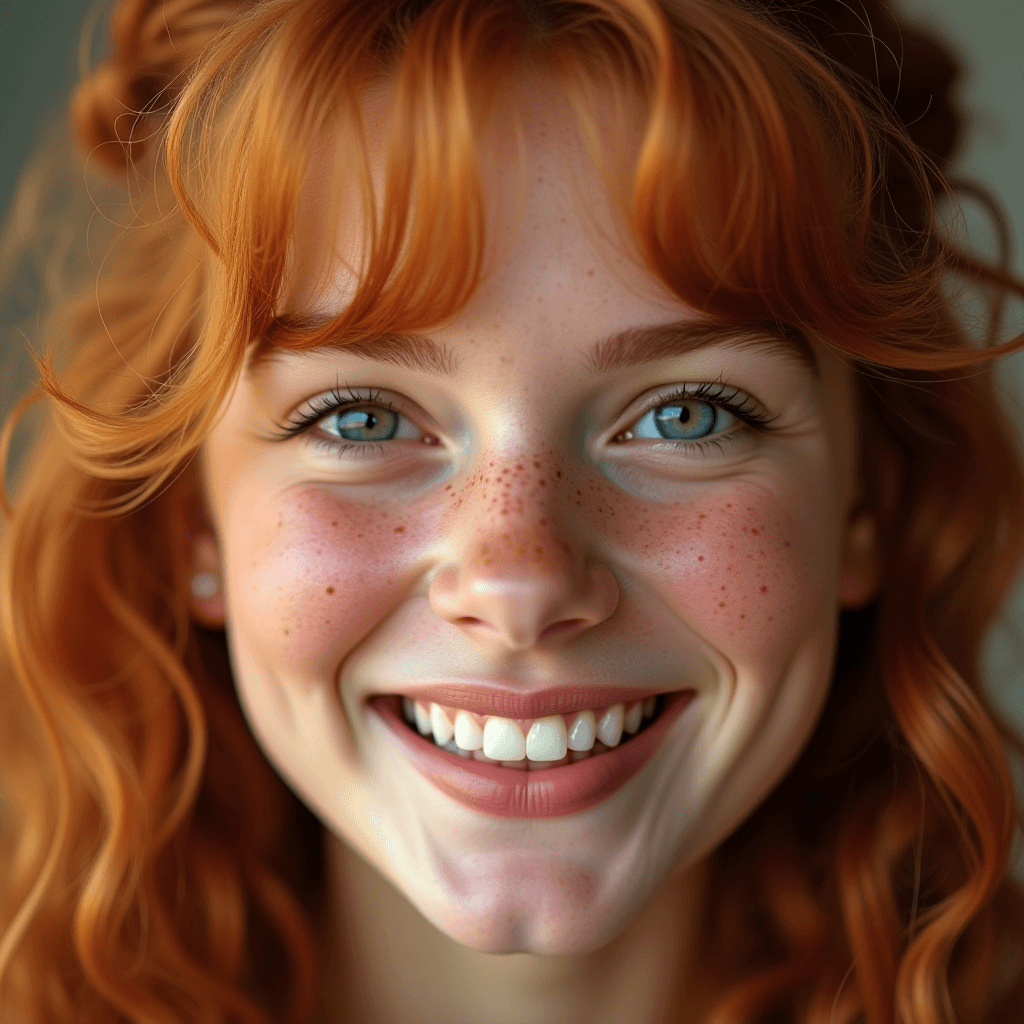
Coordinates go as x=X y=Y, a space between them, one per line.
x=532 y=515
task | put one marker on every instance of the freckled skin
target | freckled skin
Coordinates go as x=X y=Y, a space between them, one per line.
x=307 y=582
x=739 y=562
x=736 y=549
x=526 y=544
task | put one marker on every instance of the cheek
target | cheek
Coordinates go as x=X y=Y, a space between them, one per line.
x=316 y=574
x=735 y=565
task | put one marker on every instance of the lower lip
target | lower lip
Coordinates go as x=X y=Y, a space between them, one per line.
x=517 y=793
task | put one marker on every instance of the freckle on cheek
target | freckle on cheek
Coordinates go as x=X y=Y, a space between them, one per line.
x=754 y=571
x=322 y=574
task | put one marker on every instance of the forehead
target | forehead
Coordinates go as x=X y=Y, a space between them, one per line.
x=547 y=211
x=532 y=163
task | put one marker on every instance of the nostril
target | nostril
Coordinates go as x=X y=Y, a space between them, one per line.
x=467 y=620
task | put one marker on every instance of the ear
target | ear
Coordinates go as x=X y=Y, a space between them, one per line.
x=206 y=581
x=860 y=574
x=198 y=549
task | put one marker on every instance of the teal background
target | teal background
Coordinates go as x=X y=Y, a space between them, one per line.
x=38 y=66
x=39 y=62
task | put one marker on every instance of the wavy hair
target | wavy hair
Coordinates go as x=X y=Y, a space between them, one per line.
x=780 y=179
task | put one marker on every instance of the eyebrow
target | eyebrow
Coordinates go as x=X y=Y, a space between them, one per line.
x=413 y=351
x=632 y=347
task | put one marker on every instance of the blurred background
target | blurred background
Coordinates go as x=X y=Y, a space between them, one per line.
x=40 y=57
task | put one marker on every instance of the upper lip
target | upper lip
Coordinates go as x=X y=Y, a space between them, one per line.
x=499 y=700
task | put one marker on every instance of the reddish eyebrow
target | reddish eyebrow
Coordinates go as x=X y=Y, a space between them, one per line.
x=413 y=351
x=663 y=341
x=631 y=347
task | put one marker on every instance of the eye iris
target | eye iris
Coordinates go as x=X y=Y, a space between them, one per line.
x=686 y=420
x=366 y=425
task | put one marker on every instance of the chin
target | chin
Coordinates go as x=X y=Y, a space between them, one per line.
x=515 y=904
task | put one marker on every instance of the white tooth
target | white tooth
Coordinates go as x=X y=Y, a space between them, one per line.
x=422 y=718
x=631 y=721
x=408 y=711
x=584 y=729
x=546 y=739
x=454 y=748
x=649 y=706
x=609 y=729
x=503 y=740
x=441 y=724
x=468 y=734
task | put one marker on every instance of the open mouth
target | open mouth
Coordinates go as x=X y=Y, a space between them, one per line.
x=531 y=744
x=527 y=779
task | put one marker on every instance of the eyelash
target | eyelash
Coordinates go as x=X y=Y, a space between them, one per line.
x=715 y=393
x=721 y=396
x=334 y=402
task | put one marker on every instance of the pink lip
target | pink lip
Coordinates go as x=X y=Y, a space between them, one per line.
x=515 y=793
x=557 y=700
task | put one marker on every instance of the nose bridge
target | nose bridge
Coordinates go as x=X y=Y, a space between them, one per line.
x=511 y=519
x=519 y=573
x=517 y=497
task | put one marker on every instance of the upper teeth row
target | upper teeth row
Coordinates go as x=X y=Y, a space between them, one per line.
x=546 y=739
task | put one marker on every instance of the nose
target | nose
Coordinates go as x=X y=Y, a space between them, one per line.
x=519 y=579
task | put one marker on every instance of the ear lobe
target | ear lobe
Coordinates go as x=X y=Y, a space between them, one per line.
x=206 y=601
x=860 y=575
x=199 y=552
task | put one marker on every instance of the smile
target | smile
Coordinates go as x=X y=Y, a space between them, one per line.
x=529 y=744
x=546 y=766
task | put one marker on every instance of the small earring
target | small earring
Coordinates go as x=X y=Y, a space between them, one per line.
x=205 y=585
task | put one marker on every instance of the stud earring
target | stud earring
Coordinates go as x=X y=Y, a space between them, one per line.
x=205 y=585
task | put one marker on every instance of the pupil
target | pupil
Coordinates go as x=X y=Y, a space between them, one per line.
x=363 y=425
x=686 y=421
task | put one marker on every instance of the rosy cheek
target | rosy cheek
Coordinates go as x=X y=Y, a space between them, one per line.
x=736 y=565
x=320 y=573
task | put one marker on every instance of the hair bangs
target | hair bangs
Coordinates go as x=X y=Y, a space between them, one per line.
x=441 y=70
x=749 y=188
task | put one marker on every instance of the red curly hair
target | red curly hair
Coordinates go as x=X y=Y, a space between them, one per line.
x=146 y=874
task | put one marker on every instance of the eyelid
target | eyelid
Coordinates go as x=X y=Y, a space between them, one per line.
x=310 y=412
x=718 y=393
x=747 y=409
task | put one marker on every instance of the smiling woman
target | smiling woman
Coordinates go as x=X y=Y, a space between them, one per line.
x=549 y=447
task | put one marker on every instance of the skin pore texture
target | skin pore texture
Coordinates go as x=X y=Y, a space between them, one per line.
x=513 y=531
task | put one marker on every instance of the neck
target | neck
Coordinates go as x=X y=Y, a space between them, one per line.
x=386 y=964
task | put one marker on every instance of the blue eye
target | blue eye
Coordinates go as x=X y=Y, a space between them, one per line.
x=369 y=423
x=695 y=414
x=353 y=423
x=691 y=415
x=690 y=420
